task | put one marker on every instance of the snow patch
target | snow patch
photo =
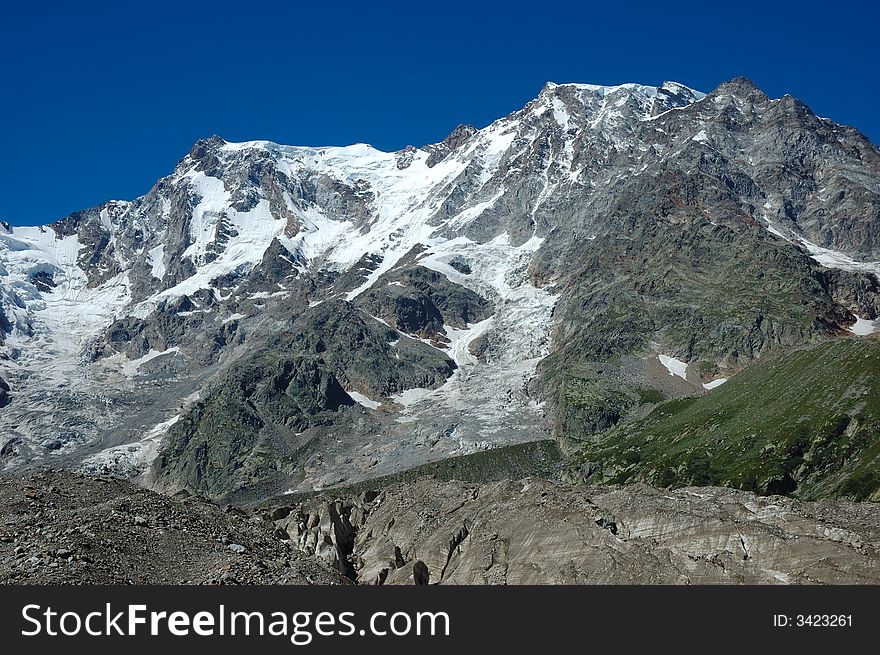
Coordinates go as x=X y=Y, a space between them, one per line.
x=156 y=260
x=410 y=396
x=676 y=367
x=130 y=368
x=864 y=326
x=828 y=257
x=836 y=259
x=560 y=113
x=361 y=399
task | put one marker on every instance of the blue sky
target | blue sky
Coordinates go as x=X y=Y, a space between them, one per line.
x=99 y=100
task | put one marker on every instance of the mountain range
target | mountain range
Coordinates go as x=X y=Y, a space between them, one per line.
x=658 y=285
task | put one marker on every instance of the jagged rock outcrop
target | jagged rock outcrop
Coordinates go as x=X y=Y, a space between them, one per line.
x=457 y=138
x=419 y=301
x=4 y=393
x=327 y=533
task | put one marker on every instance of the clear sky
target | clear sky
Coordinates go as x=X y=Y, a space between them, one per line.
x=99 y=100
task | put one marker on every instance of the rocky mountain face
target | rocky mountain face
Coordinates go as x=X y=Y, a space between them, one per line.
x=271 y=318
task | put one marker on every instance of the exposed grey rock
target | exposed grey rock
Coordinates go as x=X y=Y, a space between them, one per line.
x=421 y=575
x=538 y=532
x=405 y=157
x=455 y=140
x=4 y=393
x=419 y=301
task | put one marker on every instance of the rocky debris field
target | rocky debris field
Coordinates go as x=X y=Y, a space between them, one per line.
x=61 y=528
x=535 y=531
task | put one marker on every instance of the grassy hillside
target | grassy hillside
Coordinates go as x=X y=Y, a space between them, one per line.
x=806 y=423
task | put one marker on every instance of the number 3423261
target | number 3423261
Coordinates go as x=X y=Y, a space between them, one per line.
x=814 y=620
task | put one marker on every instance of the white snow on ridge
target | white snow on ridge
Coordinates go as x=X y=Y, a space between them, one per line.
x=256 y=229
x=674 y=366
x=213 y=203
x=403 y=200
x=407 y=199
x=714 y=383
x=560 y=113
x=649 y=91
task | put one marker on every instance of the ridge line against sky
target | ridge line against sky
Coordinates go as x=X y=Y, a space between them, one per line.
x=102 y=99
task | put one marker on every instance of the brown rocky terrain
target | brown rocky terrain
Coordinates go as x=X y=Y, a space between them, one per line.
x=60 y=528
